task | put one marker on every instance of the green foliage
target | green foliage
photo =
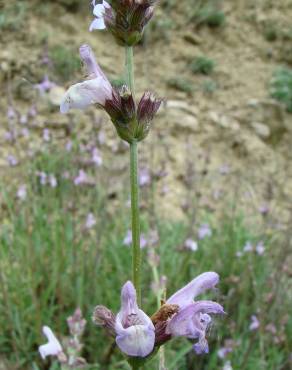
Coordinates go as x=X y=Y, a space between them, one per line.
x=66 y=62
x=180 y=84
x=209 y=13
x=209 y=86
x=270 y=32
x=118 y=82
x=13 y=16
x=50 y=264
x=202 y=65
x=281 y=87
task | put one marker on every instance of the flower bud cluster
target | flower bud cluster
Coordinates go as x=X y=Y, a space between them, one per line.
x=132 y=122
x=126 y=19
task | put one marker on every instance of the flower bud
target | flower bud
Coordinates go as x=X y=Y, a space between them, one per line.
x=104 y=317
x=131 y=123
x=126 y=19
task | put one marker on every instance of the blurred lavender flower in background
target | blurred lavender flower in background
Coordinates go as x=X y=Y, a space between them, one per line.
x=21 y=192
x=128 y=240
x=204 y=231
x=12 y=161
x=82 y=178
x=191 y=245
x=46 y=135
x=53 y=181
x=96 y=157
x=255 y=324
x=260 y=248
x=247 y=247
x=90 y=221
x=144 y=177
x=45 y=85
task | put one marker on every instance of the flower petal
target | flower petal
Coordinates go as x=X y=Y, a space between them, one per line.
x=97 y=24
x=88 y=58
x=83 y=94
x=98 y=10
x=185 y=322
x=53 y=347
x=136 y=340
x=186 y=295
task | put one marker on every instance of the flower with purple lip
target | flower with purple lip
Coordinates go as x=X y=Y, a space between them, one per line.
x=132 y=328
x=193 y=317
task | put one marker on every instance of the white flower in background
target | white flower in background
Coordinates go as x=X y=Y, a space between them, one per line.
x=53 y=181
x=53 y=347
x=191 y=245
x=255 y=324
x=99 y=11
x=260 y=248
x=204 y=231
x=90 y=221
x=21 y=192
x=96 y=157
x=248 y=247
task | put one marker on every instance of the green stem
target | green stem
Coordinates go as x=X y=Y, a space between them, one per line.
x=136 y=251
x=130 y=69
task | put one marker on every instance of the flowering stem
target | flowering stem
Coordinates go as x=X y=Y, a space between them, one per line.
x=136 y=252
x=130 y=69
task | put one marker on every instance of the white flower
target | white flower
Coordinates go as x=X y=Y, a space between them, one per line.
x=85 y=93
x=99 y=11
x=22 y=192
x=191 y=244
x=53 y=347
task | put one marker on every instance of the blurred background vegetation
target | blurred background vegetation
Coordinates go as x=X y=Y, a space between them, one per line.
x=218 y=158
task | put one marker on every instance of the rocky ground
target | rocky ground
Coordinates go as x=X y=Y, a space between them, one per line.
x=226 y=137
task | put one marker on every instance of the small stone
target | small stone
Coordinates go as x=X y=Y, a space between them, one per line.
x=193 y=39
x=262 y=130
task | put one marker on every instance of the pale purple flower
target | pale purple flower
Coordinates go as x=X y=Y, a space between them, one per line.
x=53 y=347
x=264 y=209
x=93 y=91
x=46 y=135
x=53 y=181
x=193 y=318
x=204 y=231
x=32 y=111
x=224 y=169
x=228 y=348
x=21 y=192
x=25 y=132
x=69 y=146
x=23 y=119
x=45 y=85
x=227 y=366
x=96 y=157
x=128 y=240
x=248 y=247
x=82 y=178
x=42 y=177
x=12 y=161
x=255 y=324
x=144 y=177
x=11 y=114
x=8 y=136
x=191 y=245
x=260 y=248
x=90 y=221
x=99 y=12
x=134 y=329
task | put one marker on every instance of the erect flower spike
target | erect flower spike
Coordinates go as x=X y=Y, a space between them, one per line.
x=133 y=329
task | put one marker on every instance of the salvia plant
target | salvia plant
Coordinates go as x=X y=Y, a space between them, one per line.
x=137 y=334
